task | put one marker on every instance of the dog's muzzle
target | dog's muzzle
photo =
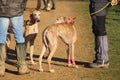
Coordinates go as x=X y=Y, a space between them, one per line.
x=38 y=20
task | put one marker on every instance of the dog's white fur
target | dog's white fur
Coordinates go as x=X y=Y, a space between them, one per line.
x=65 y=31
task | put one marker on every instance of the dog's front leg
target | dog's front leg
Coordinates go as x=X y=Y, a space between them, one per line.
x=31 y=54
x=68 y=55
x=73 y=56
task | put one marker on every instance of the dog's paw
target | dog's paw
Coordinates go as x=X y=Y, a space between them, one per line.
x=69 y=65
x=40 y=70
x=33 y=63
x=52 y=70
x=75 y=66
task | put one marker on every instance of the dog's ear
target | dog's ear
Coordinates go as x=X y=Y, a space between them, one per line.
x=31 y=11
x=26 y=22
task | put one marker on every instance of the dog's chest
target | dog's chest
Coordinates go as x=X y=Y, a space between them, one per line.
x=31 y=29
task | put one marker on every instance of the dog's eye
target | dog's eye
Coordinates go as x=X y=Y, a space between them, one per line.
x=34 y=14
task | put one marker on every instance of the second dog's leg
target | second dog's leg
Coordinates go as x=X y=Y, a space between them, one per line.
x=40 y=58
x=53 y=48
x=68 y=55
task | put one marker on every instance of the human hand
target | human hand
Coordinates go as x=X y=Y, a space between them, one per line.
x=114 y=2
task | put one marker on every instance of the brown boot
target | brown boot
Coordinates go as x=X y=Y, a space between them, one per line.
x=23 y=69
x=2 y=70
x=2 y=59
x=21 y=56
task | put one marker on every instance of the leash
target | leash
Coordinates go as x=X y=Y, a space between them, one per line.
x=101 y=8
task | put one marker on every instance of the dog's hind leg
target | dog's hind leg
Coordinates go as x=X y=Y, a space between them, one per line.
x=73 y=56
x=53 y=48
x=40 y=58
x=68 y=54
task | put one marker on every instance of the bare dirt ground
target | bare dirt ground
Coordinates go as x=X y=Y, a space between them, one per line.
x=83 y=50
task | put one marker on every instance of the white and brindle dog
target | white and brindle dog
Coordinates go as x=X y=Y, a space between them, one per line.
x=31 y=31
x=64 y=29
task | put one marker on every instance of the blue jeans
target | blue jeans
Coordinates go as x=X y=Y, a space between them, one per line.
x=17 y=23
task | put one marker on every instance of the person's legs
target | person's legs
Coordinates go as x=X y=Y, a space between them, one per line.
x=45 y=4
x=38 y=4
x=53 y=4
x=17 y=23
x=2 y=59
x=3 y=32
x=17 y=26
x=101 y=48
x=3 y=29
x=25 y=2
x=101 y=43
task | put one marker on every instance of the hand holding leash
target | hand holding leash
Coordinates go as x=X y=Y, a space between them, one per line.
x=114 y=2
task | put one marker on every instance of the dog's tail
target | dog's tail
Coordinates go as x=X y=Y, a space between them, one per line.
x=45 y=38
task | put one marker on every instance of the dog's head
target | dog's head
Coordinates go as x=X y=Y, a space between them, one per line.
x=67 y=20
x=60 y=19
x=35 y=16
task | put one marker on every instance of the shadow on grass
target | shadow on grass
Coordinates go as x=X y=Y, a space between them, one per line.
x=10 y=71
x=73 y=0
x=85 y=64
x=12 y=56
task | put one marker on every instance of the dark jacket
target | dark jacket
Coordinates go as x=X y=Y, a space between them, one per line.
x=11 y=8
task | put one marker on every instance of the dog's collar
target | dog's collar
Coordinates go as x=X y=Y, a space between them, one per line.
x=69 y=20
x=32 y=20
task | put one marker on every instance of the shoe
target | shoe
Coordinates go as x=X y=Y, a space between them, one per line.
x=37 y=8
x=2 y=59
x=21 y=56
x=2 y=71
x=44 y=8
x=53 y=8
x=99 y=64
x=23 y=70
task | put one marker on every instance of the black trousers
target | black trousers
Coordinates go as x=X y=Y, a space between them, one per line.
x=98 y=19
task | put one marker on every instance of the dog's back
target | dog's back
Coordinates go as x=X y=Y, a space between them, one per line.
x=66 y=32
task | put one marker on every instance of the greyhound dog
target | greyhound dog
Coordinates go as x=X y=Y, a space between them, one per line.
x=31 y=31
x=64 y=30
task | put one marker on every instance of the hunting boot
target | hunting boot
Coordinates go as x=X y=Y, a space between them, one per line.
x=2 y=59
x=21 y=56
